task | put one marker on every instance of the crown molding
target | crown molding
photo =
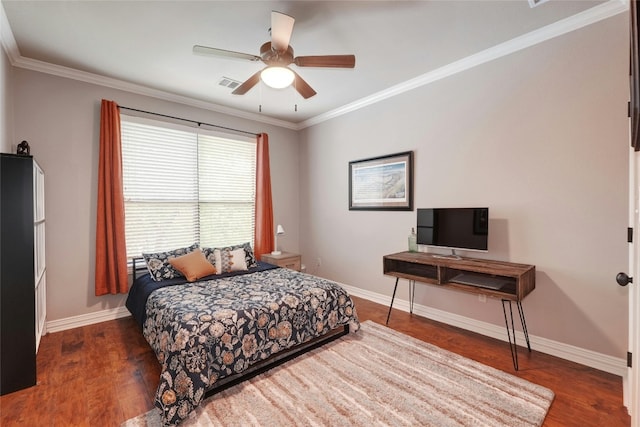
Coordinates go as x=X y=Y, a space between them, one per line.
x=10 y=46
x=572 y=23
x=70 y=73
x=7 y=40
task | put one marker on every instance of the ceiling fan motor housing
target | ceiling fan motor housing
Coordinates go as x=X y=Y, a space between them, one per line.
x=272 y=57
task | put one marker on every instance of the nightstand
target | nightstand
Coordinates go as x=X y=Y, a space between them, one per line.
x=285 y=259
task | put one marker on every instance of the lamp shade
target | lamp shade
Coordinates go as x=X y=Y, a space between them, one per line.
x=277 y=77
x=279 y=229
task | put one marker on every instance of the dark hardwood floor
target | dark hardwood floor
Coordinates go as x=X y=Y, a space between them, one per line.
x=104 y=374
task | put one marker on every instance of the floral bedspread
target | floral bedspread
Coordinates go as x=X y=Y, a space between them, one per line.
x=208 y=330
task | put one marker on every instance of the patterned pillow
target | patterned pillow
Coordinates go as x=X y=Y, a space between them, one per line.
x=234 y=260
x=159 y=266
x=226 y=260
x=249 y=256
x=209 y=254
x=230 y=260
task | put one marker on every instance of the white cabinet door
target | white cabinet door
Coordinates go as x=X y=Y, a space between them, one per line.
x=39 y=252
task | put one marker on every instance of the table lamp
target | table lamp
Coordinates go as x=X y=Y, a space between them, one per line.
x=279 y=231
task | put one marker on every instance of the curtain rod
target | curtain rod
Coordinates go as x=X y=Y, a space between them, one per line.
x=189 y=120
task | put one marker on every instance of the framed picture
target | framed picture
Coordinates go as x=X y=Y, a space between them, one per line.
x=382 y=183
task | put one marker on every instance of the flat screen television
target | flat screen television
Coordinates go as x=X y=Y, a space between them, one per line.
x=454 y=228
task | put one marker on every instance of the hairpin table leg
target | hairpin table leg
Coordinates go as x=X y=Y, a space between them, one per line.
x=412 y=294
x=395 y=288
x=512 y=345
x=524 y=324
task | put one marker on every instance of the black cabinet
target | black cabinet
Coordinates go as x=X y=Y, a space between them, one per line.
x=17 y=277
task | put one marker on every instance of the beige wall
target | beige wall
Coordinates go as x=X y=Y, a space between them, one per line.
x=60 y=119
x=539 y=136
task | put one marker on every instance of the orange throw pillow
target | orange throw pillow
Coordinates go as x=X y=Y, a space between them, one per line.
x=193 y=265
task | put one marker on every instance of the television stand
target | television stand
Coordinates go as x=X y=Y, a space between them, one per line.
x=497 y=279
x=452 y=256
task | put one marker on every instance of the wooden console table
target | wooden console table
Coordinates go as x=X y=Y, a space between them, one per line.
x=505 y=280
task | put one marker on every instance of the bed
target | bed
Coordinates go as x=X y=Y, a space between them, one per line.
x=215 y=331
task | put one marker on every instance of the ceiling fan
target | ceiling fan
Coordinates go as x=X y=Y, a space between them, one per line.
x=277 y=54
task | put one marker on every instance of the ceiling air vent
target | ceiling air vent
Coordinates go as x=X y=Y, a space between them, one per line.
x=230 y=83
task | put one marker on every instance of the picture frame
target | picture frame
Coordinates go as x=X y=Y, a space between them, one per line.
x=382 y=183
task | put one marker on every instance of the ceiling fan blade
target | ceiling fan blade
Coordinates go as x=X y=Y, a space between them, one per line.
x=212 y=51
x=335 y=61
x=248 y=84
x=281 y=29
x=303 y=87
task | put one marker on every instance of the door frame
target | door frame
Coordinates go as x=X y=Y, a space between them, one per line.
x=631 y=384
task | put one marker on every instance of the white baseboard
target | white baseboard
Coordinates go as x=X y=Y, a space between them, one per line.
x=602 y=362
x=86 y=319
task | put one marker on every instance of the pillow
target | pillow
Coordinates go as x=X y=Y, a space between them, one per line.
x=159 y=266
x=250 y=258
x=227 y=260
x=193 y=265
x=210 y=256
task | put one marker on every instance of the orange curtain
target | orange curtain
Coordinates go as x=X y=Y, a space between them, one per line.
x=264 y=239
x=111 y=254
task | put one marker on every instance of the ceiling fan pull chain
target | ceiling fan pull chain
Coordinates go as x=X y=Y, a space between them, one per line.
x=293 y=94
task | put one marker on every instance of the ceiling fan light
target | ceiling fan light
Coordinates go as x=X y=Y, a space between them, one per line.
x=277 y=77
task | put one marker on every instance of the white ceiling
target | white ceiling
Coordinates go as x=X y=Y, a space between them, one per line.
x=148 y=44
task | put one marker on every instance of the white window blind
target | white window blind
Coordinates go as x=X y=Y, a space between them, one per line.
x=183 y=187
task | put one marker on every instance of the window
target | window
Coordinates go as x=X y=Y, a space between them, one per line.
x=185 y=186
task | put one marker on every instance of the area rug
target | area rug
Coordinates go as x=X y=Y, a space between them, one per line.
x=375 y=377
